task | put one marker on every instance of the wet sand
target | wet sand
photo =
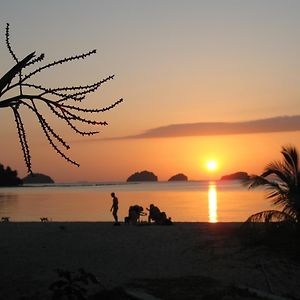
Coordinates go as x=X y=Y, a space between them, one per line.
x=123 y=255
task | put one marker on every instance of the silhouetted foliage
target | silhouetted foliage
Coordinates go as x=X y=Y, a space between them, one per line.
x=282 y=180
x=8 y=177
x=16 y=91
x=74 y=286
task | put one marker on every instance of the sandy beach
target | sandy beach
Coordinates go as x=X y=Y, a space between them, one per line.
x=137 y=256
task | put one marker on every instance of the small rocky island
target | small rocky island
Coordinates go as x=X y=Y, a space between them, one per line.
x=142 y=176
x=236 y=176
x=37 y=178
x=179 y=177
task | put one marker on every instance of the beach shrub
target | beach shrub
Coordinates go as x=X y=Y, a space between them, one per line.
x=282 y=181
x=72 y=285
x=9 y=177
x=17 y=92
x=82 y=285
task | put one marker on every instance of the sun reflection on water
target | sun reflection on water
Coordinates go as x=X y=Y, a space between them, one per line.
x=212 y=203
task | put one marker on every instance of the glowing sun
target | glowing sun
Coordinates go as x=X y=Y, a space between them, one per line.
x=212 y=165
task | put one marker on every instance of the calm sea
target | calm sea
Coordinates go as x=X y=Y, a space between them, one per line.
x=195 y=201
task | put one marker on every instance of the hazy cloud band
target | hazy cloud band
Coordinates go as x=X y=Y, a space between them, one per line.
x=275 y=124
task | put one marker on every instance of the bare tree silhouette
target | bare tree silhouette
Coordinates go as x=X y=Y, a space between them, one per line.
x=16 y=91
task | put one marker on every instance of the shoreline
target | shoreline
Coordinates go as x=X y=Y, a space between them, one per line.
x=182 y=202
x=122 y=222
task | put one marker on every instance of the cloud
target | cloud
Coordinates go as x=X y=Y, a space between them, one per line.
x=269 y=125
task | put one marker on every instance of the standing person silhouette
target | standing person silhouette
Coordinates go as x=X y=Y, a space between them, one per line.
x=114 y=208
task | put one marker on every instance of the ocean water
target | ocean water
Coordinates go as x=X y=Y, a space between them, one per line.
x=194 y=201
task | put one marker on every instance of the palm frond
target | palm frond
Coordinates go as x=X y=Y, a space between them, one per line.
x=291 y=158
x=279 y=171
x=281 y=179
x=268 y=216
x=254 y=181
x=281 y=201
x=288 y=209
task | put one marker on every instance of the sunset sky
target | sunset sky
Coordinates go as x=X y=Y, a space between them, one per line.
x=201 y=80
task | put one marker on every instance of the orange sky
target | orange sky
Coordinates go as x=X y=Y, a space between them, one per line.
x=176 y=62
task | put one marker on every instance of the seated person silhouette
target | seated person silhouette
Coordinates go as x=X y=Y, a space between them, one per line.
x=134 y=214
x=157 y=216
x=154 y=213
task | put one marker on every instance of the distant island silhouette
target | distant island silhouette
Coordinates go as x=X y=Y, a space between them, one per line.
x=37 y=178
x=179 y=177
x=142 y=176
x=9 y=177
x=236 y=176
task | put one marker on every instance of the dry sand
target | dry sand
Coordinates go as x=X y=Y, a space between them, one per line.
x=125 y=255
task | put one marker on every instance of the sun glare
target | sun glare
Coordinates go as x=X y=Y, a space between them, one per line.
x=212 y=165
